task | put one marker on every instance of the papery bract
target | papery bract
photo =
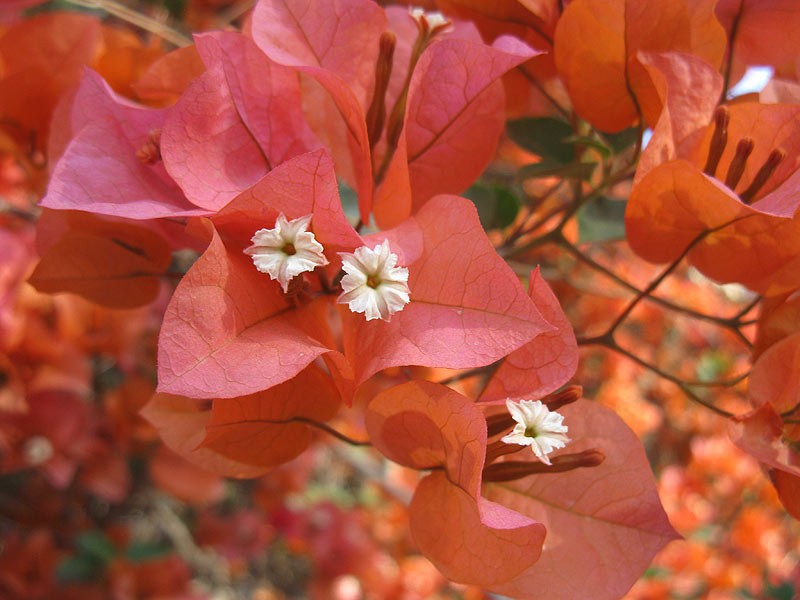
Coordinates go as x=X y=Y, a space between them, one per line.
x=542 y=365
x=267 y=428
x=467 y=307
x=604 y=523
x=763 y=33
x=759 y=433
x=169 y=76
x=99 y=171
x=115 y=264
x=321 y=40
x=43 y=57
x=228 y=330
x=454 y=115
x=234 y=123
x=182 y=479
x=181 y=423
x=688 y=89
x=675 y=204
x=424 y=425
x=779 y=318
x=596 y=46
x=124 y=58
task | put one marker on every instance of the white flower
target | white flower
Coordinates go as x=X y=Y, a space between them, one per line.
x=537 y=427
x=287 y=250
x=373 y=284
x=434 y=19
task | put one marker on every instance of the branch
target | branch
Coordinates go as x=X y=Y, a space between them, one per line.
x=328 y=429
x=137 y=19
x=733 y=323
x=684 y=386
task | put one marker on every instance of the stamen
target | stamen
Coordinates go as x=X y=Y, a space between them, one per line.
x=150 y=152
x=498 y=449
x=719 y=140
x=736 y=169
x=568 y=395
x=511 y=470
x=764 y=173
x=376 y=114
x=497 y=424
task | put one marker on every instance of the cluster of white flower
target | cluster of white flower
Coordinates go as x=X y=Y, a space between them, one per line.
x=373 y=283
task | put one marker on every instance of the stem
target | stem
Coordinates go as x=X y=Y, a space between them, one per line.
x=234 y=11
x=684 y=386
x=328 y=429
x=733 y=323
x=564 y=112
x=729 y=61
x=137 y=19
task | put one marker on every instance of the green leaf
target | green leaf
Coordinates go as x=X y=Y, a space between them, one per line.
x=782 y=591
x=96 y=545
x=78 y=569
x=553 y=169
x=590 y=142
x=349 y=200
x=543 y=136
x=602 y=220
x=623 y=140
x=144 y=551
x=497 y=206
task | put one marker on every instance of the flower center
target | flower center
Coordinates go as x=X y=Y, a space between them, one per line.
x=373 y=281
x=530 y=432
x=289 y=249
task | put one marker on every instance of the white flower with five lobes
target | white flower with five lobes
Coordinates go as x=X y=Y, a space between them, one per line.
x=537 y=426
x=373 y=284
x=286 y=250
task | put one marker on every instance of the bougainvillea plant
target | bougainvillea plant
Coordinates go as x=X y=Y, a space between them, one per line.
x=342 y=225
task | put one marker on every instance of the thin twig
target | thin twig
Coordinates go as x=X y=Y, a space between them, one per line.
x=684 y=387
x=233 y=12
x=137 y=19
x=731 y=323
x=545 y=93
x=731 y=43
x=328 y=429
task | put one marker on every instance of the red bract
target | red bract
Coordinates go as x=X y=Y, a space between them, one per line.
x=181 y=423
x=598 y=48
x=497 y=541
x=323 y=39
x=467 y=307
x=234 y=123
x=542 y=366
x=604 y=524
x=454 y=116
x=267 y=429
x=230 y=331
x=424 y=425
x=749 y=236
x=100 y=171
x=751 y=19
x=770 y=432
x=112 y=263
x=448 y=109
x=42 y=58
